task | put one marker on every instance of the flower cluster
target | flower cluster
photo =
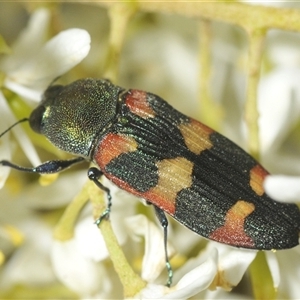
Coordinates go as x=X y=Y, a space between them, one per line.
x=81 y=264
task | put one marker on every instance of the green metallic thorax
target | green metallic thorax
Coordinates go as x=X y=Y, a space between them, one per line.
x=73 y=116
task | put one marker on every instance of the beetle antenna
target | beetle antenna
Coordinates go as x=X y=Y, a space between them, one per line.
x=13 y=125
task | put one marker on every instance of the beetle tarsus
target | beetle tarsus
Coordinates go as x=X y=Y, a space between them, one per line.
x=94 y=174
x=105 y=215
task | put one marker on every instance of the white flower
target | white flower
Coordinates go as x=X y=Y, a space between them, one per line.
x=79 y=263
x=31 y=67
x=290 y=273
x=20 y=213
x=279 y=105
x=28 y=71
x=24 y=268
x=34 y=64
x=279 y=108
x=193 y=282
x=217 y=265
x=81 y=274
x=279 y=119
x=154 y=257
x=283 y=188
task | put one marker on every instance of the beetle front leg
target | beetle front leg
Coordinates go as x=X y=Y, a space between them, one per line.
x=48 y=167
x=94 y=174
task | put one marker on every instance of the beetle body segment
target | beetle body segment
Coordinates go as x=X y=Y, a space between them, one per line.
x=146 y=147
x=73 y=116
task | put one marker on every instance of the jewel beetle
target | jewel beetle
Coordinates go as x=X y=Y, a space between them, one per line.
x=179 y=165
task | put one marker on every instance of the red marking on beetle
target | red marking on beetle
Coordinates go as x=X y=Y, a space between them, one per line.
x=173 y=176
x=160 y=200
x=196 y=136
x=232 y=232
x=136 y=101
x=257 y=177
x=111 y=146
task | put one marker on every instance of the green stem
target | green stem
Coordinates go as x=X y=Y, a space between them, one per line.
x=256 y=41
x=211 y=113
x=262 y=283
x=119 y=15
x=243 y=15
x=132 y=283
x=64 y=230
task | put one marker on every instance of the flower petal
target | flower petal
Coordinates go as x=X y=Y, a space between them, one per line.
x=82 y=275
x=154 y=259
x=274 y=267
x=279 y=106
x=89 y=240
x=196 y=280
x=24 y=92
x=7 y=120
x=5 y=148
x=192 y=283
x=55 y=195
x=59 y=55
x=30 y=264
x=283 y=188
x=29 y=41
x=289 y=287
x=233 y=263
x=88 y=237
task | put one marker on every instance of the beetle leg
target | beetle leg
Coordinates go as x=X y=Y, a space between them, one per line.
x=48 y=167
x=164 y=223
x=94 y=174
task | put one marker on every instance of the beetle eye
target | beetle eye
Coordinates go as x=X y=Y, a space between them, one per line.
x=36 y=118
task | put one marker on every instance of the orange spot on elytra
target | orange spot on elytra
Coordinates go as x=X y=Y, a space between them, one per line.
x=173 y=176
x=232 y=232
x=196 y=136
x=257 y=177
x=112 y=146
x=136 y=101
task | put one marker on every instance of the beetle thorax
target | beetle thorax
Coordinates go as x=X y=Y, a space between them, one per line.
x=73 y=116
